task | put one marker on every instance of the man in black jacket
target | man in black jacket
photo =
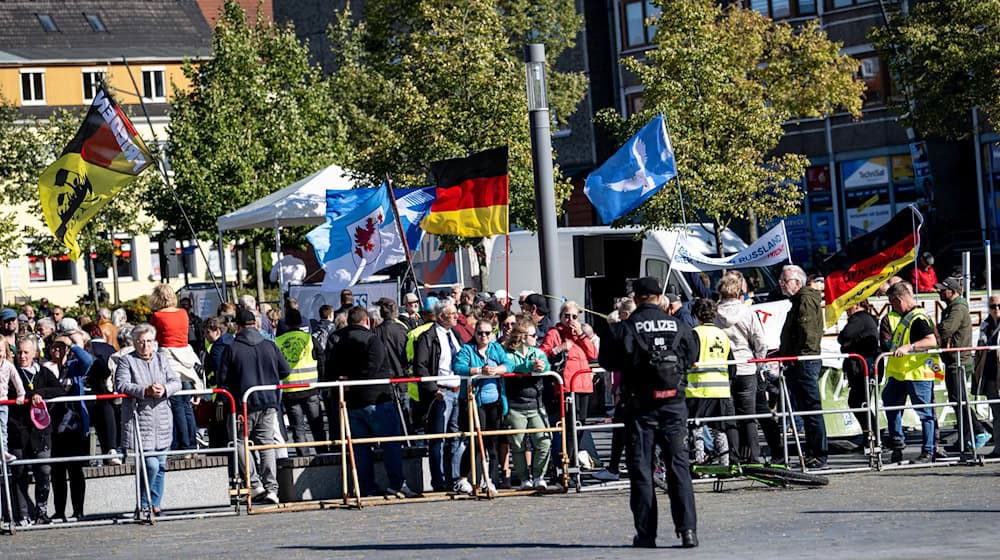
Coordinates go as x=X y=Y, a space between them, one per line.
x=392 y=332
x=249 y=361
x=370 y=408
x=433 y=354
x=652 y=397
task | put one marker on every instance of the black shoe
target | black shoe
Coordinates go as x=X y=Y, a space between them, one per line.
x=689 y=538
x=940 y=454
x=43 y=519
x=643 y=543
x=896 y=456
x=816 y=463
x=924 y=457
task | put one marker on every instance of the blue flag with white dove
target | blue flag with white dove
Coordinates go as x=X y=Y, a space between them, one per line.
x=360 y=236
x=634 y=173
x=413 y=204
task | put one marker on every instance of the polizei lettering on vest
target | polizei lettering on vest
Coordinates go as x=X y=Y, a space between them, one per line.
x=131 y=152
x=659 y=325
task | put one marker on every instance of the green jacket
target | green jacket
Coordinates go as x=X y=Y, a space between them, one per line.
x=803 y=328
x=955 y=329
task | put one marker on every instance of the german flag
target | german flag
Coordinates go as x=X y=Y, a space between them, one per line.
x=472 y=195
x=105 y=155
x=869 y=261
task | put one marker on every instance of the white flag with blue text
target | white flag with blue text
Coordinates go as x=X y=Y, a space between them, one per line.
x=634 y=173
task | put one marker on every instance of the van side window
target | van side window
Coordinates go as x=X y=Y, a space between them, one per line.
x=657 y=268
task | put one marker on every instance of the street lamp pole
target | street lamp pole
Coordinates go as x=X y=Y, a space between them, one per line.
x=541 y=156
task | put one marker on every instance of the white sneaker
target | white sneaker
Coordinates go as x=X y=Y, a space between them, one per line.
x=403 y=492
x=115 y=460
x=8 y=457
x=462 y=486
x=527 y=485
x=604 y=475
x=490 y=487
x=541 y=485
x=273 y=498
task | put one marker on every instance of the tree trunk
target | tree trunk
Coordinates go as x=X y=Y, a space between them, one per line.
x=718 y=239
x=258 y=272
x=240 y=264
x=752 y=218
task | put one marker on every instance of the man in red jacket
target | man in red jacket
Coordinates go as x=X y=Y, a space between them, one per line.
x=924 y=276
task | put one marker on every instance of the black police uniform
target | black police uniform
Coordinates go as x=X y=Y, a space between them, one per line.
x=650 y=420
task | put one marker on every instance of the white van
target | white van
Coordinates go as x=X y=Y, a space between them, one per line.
x=597 y=264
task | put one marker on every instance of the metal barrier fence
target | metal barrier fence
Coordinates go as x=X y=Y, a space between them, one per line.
x=139 y=458
x=346 y=441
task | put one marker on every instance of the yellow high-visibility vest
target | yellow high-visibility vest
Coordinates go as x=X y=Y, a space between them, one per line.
x=297 y=347
x=912 y=367
x=710 y=382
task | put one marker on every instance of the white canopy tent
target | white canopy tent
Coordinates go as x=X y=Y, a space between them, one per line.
x=302 y=203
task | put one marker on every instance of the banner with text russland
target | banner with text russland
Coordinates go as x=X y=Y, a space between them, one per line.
x=771 y=248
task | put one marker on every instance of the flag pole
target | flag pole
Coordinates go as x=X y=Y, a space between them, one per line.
x=402 y=234
x=916 y=247
x=166 y=180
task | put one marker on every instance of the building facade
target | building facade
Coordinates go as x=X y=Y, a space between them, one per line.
x=53 y=55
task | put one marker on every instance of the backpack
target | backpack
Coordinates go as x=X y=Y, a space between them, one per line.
x=659 y=369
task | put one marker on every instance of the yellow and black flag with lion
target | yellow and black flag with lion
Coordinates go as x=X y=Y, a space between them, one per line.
x=104 y=156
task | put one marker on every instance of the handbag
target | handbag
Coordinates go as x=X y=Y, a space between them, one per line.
x=557 y=362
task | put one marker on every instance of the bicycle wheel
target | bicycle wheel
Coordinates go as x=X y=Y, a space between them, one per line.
x=786 y=476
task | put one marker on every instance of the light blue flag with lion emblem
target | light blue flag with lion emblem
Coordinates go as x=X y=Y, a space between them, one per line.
x=360 y=236
x=634 y=173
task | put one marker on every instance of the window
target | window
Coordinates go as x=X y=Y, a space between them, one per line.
x=633 y=103
x=32 y=87
x=96 y=23
x=876 y=79
x=637 y=29
x=780 y=9
x=48 y=24
x=846 y=3
x=152 y=84
x=42 y=268
x=123 y=248
x=178 y=257
x=92 y=79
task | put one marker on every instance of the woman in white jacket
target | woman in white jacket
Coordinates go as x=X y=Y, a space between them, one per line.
x=746 y=335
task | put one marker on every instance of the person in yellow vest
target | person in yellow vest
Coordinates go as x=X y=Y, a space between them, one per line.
x=708 y=391
x=301 y=404
x=910 y=372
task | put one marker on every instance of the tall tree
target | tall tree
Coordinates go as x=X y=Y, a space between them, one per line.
x=255 y=119
x=428 y=80
x=944 y=54
x=726 y=80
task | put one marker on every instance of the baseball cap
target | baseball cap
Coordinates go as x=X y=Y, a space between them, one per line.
x=40 y=415
x=411 y=298
x=646 y=286
x=245 y=317
x=927 y=257
x=501 y=295
x=430 y=303
x=538 y=300
x=950 y=284
x=8 y=314
x=67 y=325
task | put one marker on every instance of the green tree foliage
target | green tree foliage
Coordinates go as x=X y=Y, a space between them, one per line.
x=430 y=80
x=255 y=119
x=726 y=80
x=944 y=54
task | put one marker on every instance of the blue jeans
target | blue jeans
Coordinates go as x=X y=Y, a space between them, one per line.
x=803 y=384
x=442 y=418
x=156 y=468
x=920 y=392
x=375 y=421
x=185 y=429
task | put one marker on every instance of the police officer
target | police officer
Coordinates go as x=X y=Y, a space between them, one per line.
x=653 y=352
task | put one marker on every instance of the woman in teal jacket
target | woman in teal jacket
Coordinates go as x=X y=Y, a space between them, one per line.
x=524 y=396
x=484 y=356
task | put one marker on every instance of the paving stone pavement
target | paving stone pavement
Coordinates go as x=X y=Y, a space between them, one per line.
x=919 y=513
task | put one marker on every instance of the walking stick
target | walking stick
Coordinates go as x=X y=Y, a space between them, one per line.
x=344 y=421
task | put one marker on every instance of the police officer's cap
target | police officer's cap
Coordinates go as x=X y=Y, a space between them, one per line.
x=647 y=286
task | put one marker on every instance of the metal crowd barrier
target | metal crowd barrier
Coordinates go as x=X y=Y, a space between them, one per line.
x=139 y=458
x=351 y=494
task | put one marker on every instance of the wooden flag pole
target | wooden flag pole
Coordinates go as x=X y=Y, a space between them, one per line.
x=402 y=235
x=166 y=180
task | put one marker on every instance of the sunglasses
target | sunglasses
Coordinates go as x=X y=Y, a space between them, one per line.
x=569 y=316
x=995 y=306
x=531 y=334
x=484 y=333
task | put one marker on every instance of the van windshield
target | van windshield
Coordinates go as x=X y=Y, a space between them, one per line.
x=684 y=283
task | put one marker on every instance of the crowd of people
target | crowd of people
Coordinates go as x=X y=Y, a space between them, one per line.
x=446 y=333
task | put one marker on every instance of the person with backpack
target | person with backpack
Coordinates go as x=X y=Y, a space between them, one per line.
x=653 y=352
